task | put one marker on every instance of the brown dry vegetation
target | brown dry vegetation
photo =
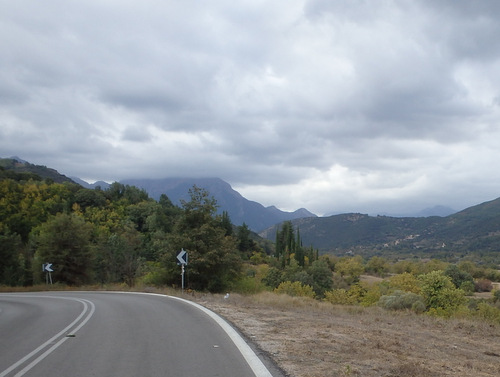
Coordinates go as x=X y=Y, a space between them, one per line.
x=316 y=339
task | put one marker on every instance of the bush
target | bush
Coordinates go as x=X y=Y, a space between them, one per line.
x=457 y=276
x=483 y=285
x=440 y=293
x=339 y=297
x=468 y=287
x=248 y=285
x=357 y=294
x=371 y=296
x=405 y=282
x=400 y=300
x=295 y=289
x=488 y=312
x=272 y=278
x=496 y=295
x=153 y=274
x=321 y=277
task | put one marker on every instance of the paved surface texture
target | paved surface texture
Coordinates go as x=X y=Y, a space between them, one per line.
x=115 y=334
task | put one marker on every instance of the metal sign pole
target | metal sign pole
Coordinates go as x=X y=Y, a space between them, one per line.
x=182 y=259
x=47 y=268
x=182 y=273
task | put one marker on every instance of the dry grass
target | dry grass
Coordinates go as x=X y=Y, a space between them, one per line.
x=315 y=339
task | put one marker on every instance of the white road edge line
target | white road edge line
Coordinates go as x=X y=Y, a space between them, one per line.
x=256 y=364
x=48 y=342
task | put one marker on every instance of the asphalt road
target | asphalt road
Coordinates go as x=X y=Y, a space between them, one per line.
x=76 y=334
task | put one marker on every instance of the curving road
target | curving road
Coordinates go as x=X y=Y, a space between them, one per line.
x=78 y=334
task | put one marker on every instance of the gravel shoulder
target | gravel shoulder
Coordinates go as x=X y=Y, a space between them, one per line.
x=315 y=339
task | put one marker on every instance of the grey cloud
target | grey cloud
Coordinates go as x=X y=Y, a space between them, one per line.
x=293 y=94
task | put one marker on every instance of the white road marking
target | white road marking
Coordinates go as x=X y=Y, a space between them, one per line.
x=256 y=364
x=63 y=332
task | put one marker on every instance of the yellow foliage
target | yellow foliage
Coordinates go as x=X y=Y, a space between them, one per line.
x=295 y=289
x=405 y=282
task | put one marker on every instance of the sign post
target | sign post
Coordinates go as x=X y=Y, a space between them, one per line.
x=47 y=268
x=182 y=260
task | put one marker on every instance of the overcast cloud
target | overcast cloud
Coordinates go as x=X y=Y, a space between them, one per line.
x=336 y=106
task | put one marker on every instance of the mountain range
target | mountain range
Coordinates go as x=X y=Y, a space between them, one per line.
x=475 y=230
x=240 y=209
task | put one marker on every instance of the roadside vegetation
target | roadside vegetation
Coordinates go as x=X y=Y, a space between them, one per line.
x=114 y=236
x=121 y=237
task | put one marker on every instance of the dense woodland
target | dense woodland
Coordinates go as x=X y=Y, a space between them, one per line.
x=121 y=236
x=113 y=236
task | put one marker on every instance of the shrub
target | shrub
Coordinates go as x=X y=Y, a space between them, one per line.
x=457 y=276
x=355 y=295
x=295 y=289
x=440 y=293
x=272 y=278
x=400 y=300
x=350 y=269
x=496 y=295
x=468 y=287
x=339 y=297
x=405 y=282
x=321 y=277
x=488 y=312
x=248 y=285
x=154 y=274
x=483 y=285
x=377 y=266
x=371 y=296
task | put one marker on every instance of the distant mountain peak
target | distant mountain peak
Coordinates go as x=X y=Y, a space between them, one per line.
x=19 y=160
x=437 y=210
x=240 y=209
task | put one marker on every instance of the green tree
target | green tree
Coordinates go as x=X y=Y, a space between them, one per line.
x=65 y=241
x=12 y=270
x=321 y=277
x=245 y=243
x=167 y=214
x=440 y=293
x=89 y=198
x=459 y=278
x=226 y=223
x=350 y=268
x=214 y=263
x=119 y=257
x=405 y=282
x=377 y=266
x=273 y=277
x=285 y=243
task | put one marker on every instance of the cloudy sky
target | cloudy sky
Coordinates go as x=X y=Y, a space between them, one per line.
x=336 y=106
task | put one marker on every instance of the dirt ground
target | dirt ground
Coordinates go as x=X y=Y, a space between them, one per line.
x=315 y=339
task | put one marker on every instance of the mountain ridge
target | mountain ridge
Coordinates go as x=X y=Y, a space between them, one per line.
x=474 y=230
x=240 y=209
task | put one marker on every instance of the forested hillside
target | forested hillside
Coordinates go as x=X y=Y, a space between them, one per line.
x=19 y=169
x=472 y=233
x=114 y=236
